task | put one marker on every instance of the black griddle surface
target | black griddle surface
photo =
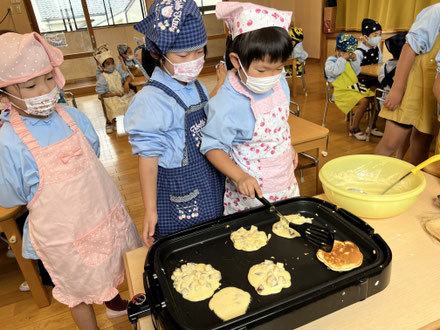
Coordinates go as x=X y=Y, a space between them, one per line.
x=211 y=244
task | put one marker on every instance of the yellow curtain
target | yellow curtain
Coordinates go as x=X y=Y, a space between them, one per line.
x=393 y=15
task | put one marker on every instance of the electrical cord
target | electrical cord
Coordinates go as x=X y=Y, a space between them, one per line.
x=7 y=13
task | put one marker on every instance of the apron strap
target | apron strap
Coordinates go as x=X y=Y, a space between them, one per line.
x=23 y=133
x=66 y=117
x=202 y=95
x=167 y=90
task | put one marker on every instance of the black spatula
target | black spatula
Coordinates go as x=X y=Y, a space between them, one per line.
x=319 y=237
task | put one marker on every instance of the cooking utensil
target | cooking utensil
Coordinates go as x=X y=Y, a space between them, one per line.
x=319 y=237
x=417 y=168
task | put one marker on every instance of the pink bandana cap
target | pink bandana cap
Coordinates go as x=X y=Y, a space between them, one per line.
x=242 y=17
x=26 y=56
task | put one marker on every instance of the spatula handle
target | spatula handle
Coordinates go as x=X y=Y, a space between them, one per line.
x=264 y=201
x=430 y=160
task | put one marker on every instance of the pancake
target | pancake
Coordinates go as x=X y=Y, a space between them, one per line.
x=268 y=277
x=249 y=240
x=281 y=228
x=196 y=282
x=344 y=256
x=229 y=303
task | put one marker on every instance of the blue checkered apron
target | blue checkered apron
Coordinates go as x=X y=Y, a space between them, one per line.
x=193 y=193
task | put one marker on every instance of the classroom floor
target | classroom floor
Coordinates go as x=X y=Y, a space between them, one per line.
x=18 y=310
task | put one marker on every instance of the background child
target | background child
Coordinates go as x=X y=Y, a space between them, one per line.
x=415 y=72
x=114 y=86
x=247 y=136
x=342 y=70
x=78 y=225
x=386 y=78
x=126 y=60
x=180 y=188
x=299 y=53
x=368 y=51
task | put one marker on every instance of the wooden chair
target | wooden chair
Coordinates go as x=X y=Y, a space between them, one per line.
x=27 y=266
x=329 y=99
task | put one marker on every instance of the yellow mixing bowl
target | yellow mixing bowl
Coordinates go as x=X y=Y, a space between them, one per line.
x=371 y=174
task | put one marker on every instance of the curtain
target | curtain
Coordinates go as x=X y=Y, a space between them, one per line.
x=393 y=15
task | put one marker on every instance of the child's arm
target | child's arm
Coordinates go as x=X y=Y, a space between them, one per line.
x=403 y=68
x=247 y=185
x=221 y=72
x=122 y=64
x=334 y=67
x=148 y=179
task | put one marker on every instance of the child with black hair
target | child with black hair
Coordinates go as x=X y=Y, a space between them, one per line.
x=368 y=51
x=179 y=187
x=247 y=136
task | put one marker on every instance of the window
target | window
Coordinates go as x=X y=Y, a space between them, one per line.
x=207 y=6
x=68 y=15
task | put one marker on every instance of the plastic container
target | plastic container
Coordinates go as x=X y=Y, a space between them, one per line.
x=371 y=174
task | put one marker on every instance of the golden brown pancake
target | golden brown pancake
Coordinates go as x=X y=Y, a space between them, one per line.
x=344 y=256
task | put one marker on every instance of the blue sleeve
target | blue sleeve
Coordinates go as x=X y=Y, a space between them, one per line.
x=380 y=56
x=356 y=65
x=98 y=73
x=423 y=33
x=359 y=55
x=86 y=127
x=19 y=178
x=102 y=85
x=334 y=67
x=299 y=52
x=124 y=74
x=229 y=121
x=147 y=120
x=285 y=86
x=381 y=73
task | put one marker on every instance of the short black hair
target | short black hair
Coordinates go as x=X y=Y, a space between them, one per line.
x=272 y=42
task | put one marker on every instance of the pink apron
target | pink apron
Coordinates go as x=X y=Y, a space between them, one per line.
x=78 y=224
x=268 y=157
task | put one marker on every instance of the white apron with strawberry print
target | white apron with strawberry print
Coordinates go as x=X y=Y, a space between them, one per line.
x=268 y=157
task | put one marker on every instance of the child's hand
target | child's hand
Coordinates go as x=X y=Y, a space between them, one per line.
x=221 y=73
x=126 y=88
x=345 y=55
x=150 y=221
x=295 y=159
x=393 y=99
x=352 y=57
x=248 y=185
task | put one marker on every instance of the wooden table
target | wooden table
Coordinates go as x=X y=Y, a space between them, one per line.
x=410 y=301
x=371 y=69
x=27 y=266
x=307 y=136
x=138 y=82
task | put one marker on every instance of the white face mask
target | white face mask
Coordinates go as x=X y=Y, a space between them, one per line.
x=109 y=68
x=187 y=71
x=259 y=85
x=374 y=41
x=130 y=57
x=42 y=105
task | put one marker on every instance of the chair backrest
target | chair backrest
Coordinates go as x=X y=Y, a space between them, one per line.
x=381 y=94
x=293 y=112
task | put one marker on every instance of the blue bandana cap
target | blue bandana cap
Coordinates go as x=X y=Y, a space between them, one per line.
x=173 y=26
x=346 y=42
x=396 y=43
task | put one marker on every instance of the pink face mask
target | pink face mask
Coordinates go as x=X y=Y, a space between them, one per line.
x=187 y=71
